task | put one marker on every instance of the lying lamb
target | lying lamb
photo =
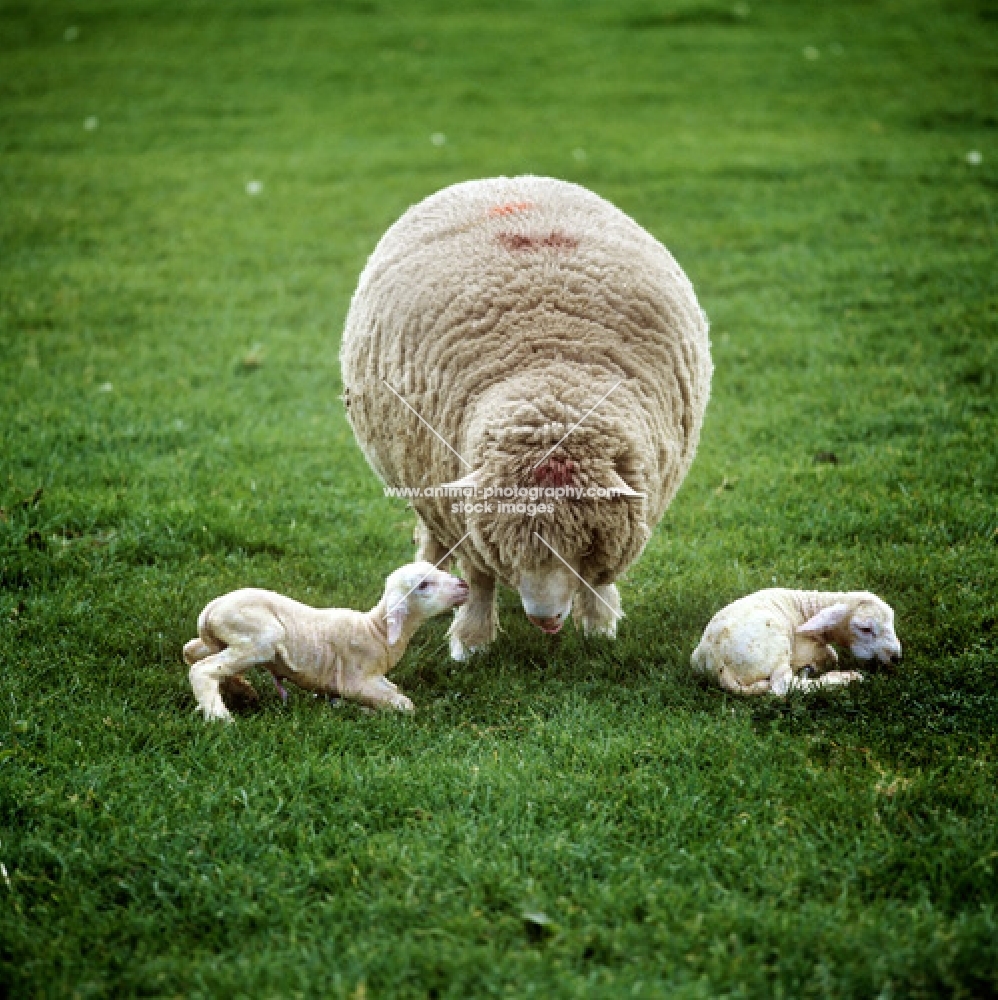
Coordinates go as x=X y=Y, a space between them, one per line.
x=765 y=642
x=328 y=651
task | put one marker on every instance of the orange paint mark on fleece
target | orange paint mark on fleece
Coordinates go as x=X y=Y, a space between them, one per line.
x=510 y=208
x=520 y=241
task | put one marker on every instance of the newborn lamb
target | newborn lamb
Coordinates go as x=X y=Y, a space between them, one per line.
x=329 y=651
x=765 y=642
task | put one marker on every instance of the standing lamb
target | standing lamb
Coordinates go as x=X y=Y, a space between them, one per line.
x=763 y=643
x=326 y=650
x=523 y=333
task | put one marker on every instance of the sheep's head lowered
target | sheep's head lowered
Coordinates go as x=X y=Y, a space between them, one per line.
x=525 y=334
x=559 y=501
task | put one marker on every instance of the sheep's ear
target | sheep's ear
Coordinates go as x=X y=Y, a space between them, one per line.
x=469 y=482
x=398 y=608
x=618 y=487
x=827 y=618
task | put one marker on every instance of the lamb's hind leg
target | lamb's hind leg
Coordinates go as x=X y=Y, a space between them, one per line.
x=474 y=624
x=234 y=688
x=727 y=679
x=598 y=610
x=208 y=674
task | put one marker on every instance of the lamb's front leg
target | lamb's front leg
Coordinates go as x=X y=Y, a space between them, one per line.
x=379 y=692
x=789 y=681
x=598 y=610
x=474 y=625
x=810 y=652
x=836 y=678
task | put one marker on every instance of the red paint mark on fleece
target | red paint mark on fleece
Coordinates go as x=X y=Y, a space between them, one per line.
x=555 y=472
x=510 y=208
x=520 y=241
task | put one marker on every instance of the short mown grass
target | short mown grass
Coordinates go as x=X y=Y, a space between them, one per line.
x=562 y=817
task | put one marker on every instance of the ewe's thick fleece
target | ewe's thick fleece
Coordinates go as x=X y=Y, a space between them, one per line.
x=501 y=310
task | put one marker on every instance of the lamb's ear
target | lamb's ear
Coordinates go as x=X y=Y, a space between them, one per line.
x=828 y=618
x=469 y=482
x=398 y=608
x=620 y=488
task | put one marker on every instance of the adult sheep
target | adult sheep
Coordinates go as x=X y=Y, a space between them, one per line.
x=524 y=333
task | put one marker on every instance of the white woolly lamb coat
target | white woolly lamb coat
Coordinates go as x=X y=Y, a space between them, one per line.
x=501 y=310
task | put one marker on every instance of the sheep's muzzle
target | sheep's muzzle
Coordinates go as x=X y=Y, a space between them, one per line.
x=550 y=626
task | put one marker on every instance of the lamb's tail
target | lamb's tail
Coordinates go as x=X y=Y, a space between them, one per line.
x=699 y=659
x=206 y=644
x=203 y=617
x=195 y=650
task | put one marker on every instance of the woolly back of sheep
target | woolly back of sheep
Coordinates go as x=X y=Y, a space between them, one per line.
x=489 y=320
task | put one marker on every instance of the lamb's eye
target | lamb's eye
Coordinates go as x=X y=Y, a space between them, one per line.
x=424 y=586
x=866 y=629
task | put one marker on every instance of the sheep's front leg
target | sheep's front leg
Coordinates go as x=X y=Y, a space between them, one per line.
x=598 y=610
x=428 y=549
x=474 y=625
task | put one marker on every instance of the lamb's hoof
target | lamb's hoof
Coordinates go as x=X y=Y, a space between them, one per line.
x=214 y=713
x=460 y=652
x=403 y=704
x=840 y=678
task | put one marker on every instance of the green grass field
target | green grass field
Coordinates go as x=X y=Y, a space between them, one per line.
x=562 y=817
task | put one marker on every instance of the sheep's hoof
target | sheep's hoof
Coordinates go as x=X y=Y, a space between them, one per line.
x=460 y=652
x=606 y=631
